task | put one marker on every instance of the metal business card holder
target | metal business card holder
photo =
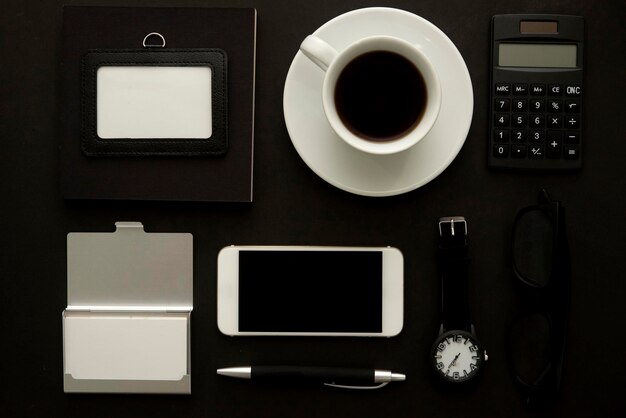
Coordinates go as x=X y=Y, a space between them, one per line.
x=126 y=328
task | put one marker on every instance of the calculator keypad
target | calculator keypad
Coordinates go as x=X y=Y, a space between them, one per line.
x=536 y=121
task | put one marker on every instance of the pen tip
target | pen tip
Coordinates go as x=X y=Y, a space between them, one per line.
x=397 y=377
x=240 y=372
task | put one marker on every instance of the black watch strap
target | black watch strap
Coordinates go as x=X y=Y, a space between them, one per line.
x=453 y=263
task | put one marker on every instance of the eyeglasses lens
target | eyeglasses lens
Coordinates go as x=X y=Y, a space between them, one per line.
x=530 y=348
x=533 y=246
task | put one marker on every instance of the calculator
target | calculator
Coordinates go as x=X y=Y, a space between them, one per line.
x=536 y=92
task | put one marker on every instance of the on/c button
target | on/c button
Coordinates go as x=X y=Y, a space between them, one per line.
x=572 y=90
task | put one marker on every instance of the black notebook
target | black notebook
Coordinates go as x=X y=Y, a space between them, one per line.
x=104 y=153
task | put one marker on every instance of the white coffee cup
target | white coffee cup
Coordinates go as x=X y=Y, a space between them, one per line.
x=333 y=63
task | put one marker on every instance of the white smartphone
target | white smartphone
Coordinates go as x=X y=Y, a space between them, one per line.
x=310 y=291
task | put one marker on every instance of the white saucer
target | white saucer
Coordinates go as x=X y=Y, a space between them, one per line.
x=378 y=175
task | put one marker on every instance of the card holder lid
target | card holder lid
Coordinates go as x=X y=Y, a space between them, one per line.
x=129 y=269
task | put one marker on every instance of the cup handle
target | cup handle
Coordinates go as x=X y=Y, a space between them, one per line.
x=318 y=51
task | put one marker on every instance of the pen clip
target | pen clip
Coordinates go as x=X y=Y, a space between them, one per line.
x=356 y=387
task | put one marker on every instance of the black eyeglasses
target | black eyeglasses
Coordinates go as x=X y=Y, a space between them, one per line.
x=541 y=265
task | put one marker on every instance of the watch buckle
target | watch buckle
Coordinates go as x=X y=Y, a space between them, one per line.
x=454 y=221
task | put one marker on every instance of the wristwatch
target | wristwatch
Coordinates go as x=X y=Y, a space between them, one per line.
x=457 y=356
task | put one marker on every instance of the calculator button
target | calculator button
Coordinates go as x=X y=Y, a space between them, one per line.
x=554 y=135
x=572 y=106
x=555 y=90
x=537 y=121
x=500 y=151
x=536 y=151
x=519 y=121
x=518 y=151
x=572 y=122
x=572 y=137
x=520 y=89
x=501 y=120
x=520 y=105
x=538 y=89
x=572 y=91
x=502 y=105
x=555 y=105
x=501 y=135
x=570 y=152
x=555 y=121
x=553 y=150
x=537 y=105
x=554 y=143
x=503 y=89
x=518 y=135
x=537 y=136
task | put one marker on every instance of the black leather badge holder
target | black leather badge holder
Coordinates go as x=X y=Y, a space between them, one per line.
x=154 y=102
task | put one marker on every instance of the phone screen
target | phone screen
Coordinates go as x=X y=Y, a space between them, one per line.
x=310 y=291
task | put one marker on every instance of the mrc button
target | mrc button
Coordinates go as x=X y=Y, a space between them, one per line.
x=502 y=88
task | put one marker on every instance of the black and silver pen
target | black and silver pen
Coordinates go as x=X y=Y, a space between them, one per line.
x=331 y=376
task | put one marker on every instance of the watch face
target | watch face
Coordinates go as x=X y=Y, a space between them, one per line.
x=457 y=356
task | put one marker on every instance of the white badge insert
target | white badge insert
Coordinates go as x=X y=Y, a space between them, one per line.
x=143 y=102
x=127 y=324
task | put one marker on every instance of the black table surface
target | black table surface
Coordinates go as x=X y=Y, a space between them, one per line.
x=293 y=206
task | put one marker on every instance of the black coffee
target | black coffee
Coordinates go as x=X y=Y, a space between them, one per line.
x=380 y=96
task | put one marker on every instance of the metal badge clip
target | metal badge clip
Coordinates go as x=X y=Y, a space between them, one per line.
x=154 y=35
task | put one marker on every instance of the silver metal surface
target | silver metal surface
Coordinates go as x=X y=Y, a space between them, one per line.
x=239 y=372
x=71 y=385
x=387 y=376
x=162 y=45
x=452 y=220
x=356 y=387
x=129 y=268
x=382 y=377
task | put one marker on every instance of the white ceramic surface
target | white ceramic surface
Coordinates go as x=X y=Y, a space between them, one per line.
x=378 y=175
x=333 y=63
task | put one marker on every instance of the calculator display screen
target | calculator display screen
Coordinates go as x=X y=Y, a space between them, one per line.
x=537 y=55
